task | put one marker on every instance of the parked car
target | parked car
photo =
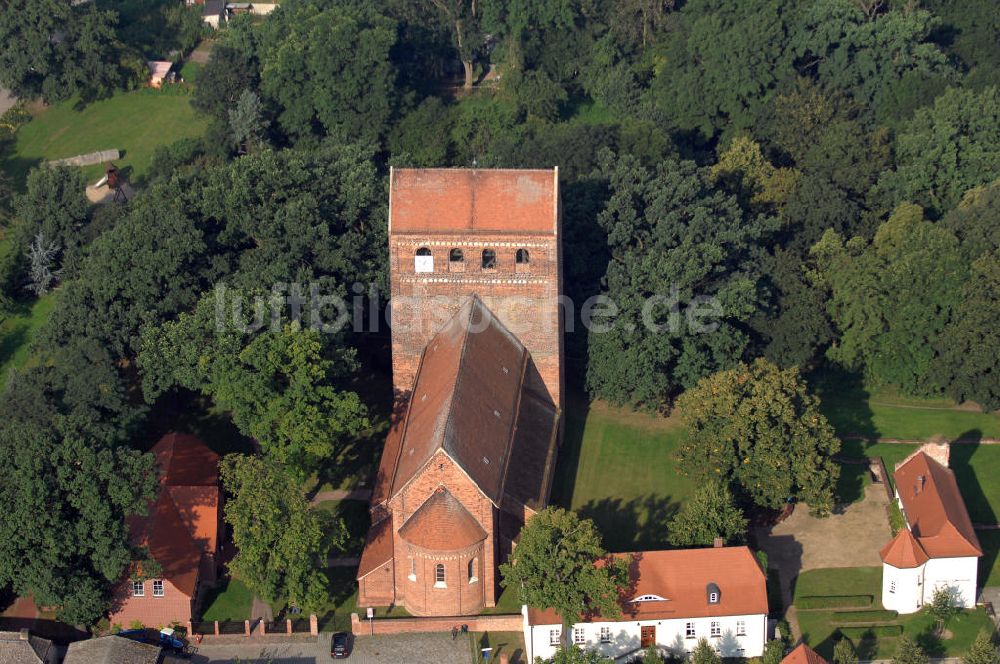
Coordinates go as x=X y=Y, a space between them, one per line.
x=165 y=639
x=339 y=647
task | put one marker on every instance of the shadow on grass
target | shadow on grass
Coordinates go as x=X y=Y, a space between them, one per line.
x=188 y=412
x=11 y=342
x=852 y=481
x=844 y=401
x=628 y=525
x=960 y=460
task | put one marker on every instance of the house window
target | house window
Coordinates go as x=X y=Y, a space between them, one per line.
x=741 y=628
x=554 y=635
x=605 y=635
x=473 y=566
x=158 y=588
x=456 y=256
x=413 y=569
x=689 y=630
x=138 y=589
x=424 y=260
x=579 y=638
x=439 y=576
x=716 y=630
x=489 y=259
x=892 y=586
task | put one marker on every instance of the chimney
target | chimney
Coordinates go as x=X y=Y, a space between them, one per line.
x=24 y=634
x=718 y=543
x=920 y=485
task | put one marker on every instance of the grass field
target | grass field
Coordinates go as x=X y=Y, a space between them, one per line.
x=17 y=330
x=819 y=630
x=617 y=467
x=989 y=564
x=133 y=122
x=230 y=600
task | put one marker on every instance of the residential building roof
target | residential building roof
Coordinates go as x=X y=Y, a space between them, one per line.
x=182 y=522
x=934 y=508
x=678 y=583
x=112 y=650
x=803 y=654
x=442 y=524
x=465 y=400
x=23 y=647
x=904 y=551
x=453 y=200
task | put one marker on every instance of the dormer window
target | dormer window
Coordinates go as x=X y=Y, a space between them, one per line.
x=714 y=596
x=423 y=261
x=489 y=259
x=649 y=598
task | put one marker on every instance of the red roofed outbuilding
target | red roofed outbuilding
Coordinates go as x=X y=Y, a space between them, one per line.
x=938 y=548
x=181 y=532
x=803 y=654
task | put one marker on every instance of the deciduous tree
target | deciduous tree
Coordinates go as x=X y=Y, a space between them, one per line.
x=758 y=427
x=709 y=513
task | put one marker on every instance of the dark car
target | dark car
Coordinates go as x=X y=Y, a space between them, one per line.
x=338 y=646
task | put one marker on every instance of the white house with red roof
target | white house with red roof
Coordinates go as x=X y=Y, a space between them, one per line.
x=938 y=548
x=674 y=599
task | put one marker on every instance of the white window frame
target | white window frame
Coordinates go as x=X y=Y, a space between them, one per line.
x=605 y=635
x=440 y=573
x=741 y=628
x=579 y=636
x=713 y=598
x=412 y=576
x=158 y=588
x=555 y=637
x=690 y=631
x=715 y=629
x=138 y=589
x=474 y=570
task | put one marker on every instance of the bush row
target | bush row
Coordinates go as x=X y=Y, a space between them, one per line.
x=835 y=602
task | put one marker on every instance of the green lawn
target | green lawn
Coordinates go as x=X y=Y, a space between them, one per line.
x=343 y=594
x=989 y=564
x=511 y=643
x=16 y=332
x=133 y=122
x=617 y=467
x=819 y=630
x=856 y=410
x=230 y=600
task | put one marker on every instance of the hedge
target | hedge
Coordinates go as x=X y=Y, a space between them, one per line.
x=873 y=615
x=835 y=602
x=868 y=632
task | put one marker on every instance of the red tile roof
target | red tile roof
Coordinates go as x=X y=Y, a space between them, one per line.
x=378 y=548
x=183 y=521
x=904 y=551
x=934 y=508
x=442 y=524
x=465 y=400
x=803 y=654
x=682 y=577
x=455 y=200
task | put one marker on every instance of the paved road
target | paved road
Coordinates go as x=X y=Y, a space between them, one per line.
x=409 y=648
x=6 y=100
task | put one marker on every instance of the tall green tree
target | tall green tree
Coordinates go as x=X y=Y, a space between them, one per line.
x=982 y=650
x=281 y=541
x=329 y=70
x=908 y=651
x=680 y=248
x=54 y=204
x=709 y=513
x=843 y=652
x=758 y=428
x=704 y=653
x=555 y=566
x=891 y=299
x=947 y=149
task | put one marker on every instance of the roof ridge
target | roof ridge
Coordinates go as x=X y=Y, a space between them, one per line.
x=449 y=423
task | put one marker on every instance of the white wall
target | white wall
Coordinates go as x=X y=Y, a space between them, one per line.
x=670 y=634
x=956 y=574
x=907 y=594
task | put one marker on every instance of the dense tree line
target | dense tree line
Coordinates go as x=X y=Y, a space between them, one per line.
x=826 y=173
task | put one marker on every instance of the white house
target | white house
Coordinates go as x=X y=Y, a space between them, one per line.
x=675 y=598
x=938 y=548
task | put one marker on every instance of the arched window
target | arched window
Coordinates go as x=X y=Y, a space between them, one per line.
x=521 y=257
x=473 y=567
x=439 y=575
x=456 y=256
x=423 y=261
x=489 y=259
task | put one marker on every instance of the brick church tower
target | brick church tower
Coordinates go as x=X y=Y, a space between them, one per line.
x=477 y=369
x=495 y=233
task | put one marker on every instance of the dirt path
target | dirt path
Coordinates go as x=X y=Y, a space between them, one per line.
x=7 y=100
x=342 y=494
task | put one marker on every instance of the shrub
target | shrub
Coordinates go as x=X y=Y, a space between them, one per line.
x=835 y=602
x=873 y=615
